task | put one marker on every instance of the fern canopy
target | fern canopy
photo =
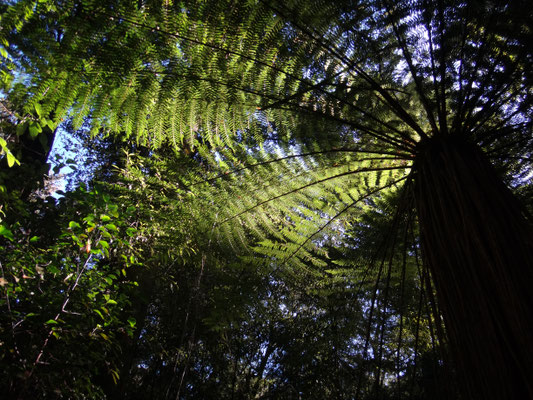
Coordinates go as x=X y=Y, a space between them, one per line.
x=304 y=114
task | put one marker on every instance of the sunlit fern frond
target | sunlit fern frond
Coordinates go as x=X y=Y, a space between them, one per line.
x=289 y=200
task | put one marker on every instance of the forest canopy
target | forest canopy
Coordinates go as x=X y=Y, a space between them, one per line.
x=262 y=199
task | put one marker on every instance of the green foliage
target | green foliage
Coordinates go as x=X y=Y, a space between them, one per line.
x=66 y=299
x=11 y=160
x=291 y=136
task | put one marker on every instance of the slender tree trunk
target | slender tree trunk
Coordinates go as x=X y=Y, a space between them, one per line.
x=478 y=244
x=261 y=369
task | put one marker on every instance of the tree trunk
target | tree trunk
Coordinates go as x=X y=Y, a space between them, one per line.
x=478 y=245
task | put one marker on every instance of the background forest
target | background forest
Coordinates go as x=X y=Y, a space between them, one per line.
x=241 y=199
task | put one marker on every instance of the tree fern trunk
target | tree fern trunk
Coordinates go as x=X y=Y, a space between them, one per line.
x=479 y=248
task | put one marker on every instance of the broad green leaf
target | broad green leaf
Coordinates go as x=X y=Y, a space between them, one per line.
x=35 y=129
x=73 y=224
x=113 y=210
x=5 y=232
x=38 y=109
x=50 y=123
x=99 y=313
x=105 y=233
x=112 y=227
x=10 y=159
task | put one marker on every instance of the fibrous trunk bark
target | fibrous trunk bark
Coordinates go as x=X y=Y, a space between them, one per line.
x=478 y=245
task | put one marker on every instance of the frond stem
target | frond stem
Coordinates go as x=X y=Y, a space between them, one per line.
x=261 y=203
x=324 y=226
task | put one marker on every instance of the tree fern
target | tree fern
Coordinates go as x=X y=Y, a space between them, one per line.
x=431 y=84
